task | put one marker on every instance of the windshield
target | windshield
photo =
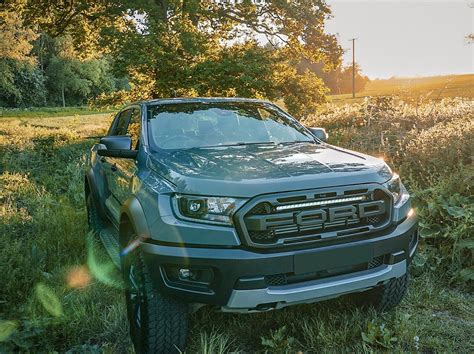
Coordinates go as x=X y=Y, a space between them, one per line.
x=201 y=125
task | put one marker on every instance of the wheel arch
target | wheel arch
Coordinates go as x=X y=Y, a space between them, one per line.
x=90 y=188
x=132 y=218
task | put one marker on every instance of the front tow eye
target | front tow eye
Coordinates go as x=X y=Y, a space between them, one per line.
x=266 y=307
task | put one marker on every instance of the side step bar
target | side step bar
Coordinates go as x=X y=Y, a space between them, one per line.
x=109 y=239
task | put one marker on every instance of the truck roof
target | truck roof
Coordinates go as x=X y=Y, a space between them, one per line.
x=200 y=100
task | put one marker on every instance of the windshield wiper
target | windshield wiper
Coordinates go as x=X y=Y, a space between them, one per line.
x=240 y=143
x=297 y=142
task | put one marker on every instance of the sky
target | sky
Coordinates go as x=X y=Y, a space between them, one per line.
x=405 y=38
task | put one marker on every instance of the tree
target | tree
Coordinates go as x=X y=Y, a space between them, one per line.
x=192 y=47
x=21 y=84
x=16 y=36
x=339 y=79
x=204 y=48
x=71 y=80
x=187 y=47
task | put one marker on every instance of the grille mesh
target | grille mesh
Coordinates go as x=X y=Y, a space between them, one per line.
x=374 y=219
x=375 y=262
x=262 y=235
x=276 y=279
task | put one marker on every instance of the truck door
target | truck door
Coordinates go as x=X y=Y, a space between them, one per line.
x=120 y=171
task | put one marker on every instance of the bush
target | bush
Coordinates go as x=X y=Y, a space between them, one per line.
x=432 y=143
x=438 y=151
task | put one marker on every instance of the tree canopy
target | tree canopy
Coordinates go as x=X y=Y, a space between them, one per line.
x=170 y=48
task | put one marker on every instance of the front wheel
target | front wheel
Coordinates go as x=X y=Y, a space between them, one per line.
x=385 y=297
x=158 y=324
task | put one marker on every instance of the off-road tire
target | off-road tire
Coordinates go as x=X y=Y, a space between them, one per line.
x=164 y=321
x=93 y=218
x=387 y=296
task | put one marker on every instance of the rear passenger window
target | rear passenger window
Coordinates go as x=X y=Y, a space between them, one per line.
x=122 y=123
x=134 y=127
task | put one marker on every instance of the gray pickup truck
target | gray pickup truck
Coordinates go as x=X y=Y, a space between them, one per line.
x=232 y=203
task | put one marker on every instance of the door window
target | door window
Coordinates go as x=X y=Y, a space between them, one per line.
x=122 y=123
x=133 y=129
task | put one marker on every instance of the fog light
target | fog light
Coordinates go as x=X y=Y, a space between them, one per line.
x=185 y=273
x=189 y=276
x=194 y=206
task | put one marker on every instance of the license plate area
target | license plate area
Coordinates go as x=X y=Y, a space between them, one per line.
x=318 y=260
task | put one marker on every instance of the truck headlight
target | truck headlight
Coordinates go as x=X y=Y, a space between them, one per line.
x=396 y=187
x=207 y=209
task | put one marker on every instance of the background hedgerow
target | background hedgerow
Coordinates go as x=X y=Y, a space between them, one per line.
x=431 y=144
x=60 y=292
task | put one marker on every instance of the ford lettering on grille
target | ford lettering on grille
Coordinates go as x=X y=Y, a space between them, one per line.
x=319 y=215
x=315 y=217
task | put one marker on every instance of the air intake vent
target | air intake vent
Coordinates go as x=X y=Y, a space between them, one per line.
x=376 y=262
x=276 y=279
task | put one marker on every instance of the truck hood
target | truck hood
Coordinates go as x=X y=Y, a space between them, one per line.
x=249 y=170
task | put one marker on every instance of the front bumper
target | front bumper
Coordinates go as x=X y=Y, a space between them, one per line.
x=239 y=276
x=312 y=291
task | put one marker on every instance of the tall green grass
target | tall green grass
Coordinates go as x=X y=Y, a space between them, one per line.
x=431 y=145
x=59 y=292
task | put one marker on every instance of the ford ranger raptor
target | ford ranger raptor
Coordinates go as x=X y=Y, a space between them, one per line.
x=233 y=204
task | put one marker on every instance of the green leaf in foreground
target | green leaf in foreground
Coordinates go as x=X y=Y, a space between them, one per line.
x=467 y=274
x=455 y=211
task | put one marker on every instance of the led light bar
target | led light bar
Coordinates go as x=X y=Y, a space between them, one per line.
x=321 y=202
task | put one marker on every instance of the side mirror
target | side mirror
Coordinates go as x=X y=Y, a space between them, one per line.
x=123 y=153
x=320 y=133
x=114 y=142
x=117 y=146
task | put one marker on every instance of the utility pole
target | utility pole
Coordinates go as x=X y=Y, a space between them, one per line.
x=353 y=67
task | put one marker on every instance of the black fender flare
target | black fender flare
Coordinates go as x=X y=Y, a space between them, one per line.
x=132 y=212
x=90 y=182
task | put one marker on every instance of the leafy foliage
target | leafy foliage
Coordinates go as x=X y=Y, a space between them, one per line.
x=278 y=340
x=432 y=145
x=175 y=48
x=339 y=79
x=378 y=335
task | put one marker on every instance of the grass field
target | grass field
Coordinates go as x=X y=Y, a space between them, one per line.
x=60 y=293
x=414 y=89
x=49 y=112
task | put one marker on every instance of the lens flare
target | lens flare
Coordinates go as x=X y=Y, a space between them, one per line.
x=78 y=277
x=105 y=272
x=49 y=300
x=131 y=246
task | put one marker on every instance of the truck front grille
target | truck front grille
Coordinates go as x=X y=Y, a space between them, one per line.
x=301 y=217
